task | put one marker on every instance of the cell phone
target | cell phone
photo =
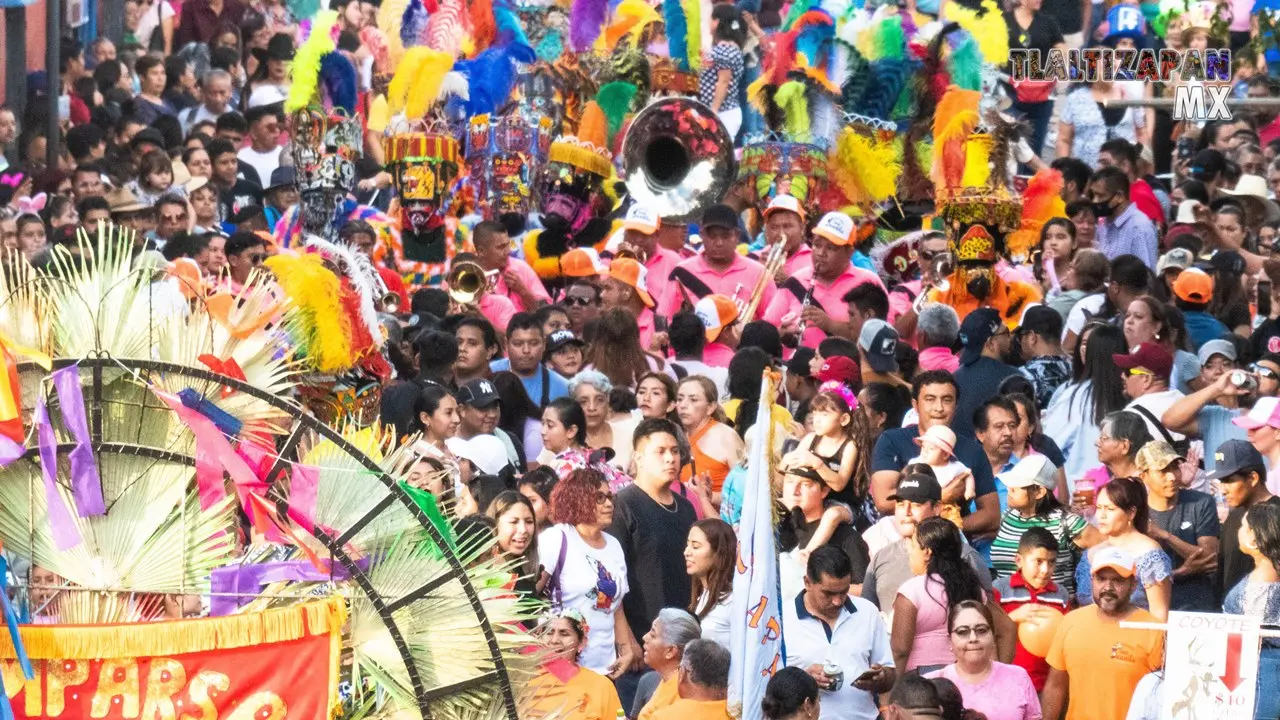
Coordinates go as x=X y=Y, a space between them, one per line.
x=1264 y=298
x=865 y=677
x=1185 y=146
x=64 y=108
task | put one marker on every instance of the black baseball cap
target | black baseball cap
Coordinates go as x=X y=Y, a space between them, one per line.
x=1043 y=321
x=919 y=488
x=978 y=327
x=478 y=394
x=879 y=341
x=560 y=339
x=147 y=135
x=1234 y=456
x=807 y=474
x=719 y=216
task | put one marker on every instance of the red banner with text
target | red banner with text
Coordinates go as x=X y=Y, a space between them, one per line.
x=264 y=666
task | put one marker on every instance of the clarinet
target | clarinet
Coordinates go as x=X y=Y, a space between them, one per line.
x=808 y=297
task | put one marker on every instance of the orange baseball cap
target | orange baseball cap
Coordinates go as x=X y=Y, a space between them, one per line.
x=634 y=274
x=716 y=312
x=582 y=262
x=1194 y=286
x=784 y=202
x=836 y=227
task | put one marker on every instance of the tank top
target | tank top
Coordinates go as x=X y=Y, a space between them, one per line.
x=833 y=463
x=704 y=463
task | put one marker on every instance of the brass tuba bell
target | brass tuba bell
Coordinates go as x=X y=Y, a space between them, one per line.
x=677 y=158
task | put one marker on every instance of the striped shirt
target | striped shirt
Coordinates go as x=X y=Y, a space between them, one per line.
x=1065 y=526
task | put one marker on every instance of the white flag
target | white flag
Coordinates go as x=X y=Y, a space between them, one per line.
x=756 y=642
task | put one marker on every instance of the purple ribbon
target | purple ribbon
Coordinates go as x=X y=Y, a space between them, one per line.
x=86 y=484
x=65 y=533
x=237 y=585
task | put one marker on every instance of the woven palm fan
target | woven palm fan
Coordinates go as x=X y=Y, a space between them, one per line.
x=428 y=627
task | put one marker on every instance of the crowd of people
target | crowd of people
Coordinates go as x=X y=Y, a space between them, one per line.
x=986 y=461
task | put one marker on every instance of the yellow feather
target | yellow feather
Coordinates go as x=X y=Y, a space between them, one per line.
x=406 y=74
x=977 y=160
x=389 y=15
x=426 y=85
x=990 y=30
x=866 y=170
x=323 y=327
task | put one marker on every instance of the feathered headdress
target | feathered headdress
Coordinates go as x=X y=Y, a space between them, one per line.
x=1041 y=202
x=987 y=26
x=417 y=82
x=631 y=17
x=588 y=149
x=306 y=67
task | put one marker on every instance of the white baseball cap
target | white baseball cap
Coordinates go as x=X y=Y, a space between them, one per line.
x=836 y=227
x=642 y=219
x=1030 y=470
x=784 y=202
x=486 y=452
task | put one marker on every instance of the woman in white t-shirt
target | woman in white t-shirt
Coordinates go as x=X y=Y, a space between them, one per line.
x=709 y=557
x=153 y=15
x=587 y=569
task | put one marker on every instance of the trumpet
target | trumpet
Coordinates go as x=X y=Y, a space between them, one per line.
x=934 y=277
x=387 y=300
x=627 y=250
x=772 y=264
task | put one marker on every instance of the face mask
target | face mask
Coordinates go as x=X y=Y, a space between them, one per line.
x=137 y=85
x=979 y=287
x=1102 y=209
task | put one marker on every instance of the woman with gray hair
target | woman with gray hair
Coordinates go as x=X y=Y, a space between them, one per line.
x=591 y=388
x=937 y=328
x=1120 y=437
x=663 y=650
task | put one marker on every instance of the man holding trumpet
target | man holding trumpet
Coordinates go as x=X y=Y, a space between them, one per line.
x=718 y=270
x=811 y=304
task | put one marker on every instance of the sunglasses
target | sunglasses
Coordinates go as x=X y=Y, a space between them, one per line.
x=976 y=630
x=257 y=258
x=572 y=301
x=1134 y=372
x=1264 y=371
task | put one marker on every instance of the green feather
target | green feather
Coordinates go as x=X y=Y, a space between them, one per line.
x=791 y=98
x=798 y=8
x=966 y=65
x=889 y=39
x=615 y=100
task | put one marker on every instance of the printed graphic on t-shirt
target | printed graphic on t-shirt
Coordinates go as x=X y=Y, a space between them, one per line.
x=606 y=589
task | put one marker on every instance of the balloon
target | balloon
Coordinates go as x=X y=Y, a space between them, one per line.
x=1036 y=635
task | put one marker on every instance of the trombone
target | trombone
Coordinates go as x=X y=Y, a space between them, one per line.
x=772 y=264
x=934 y=277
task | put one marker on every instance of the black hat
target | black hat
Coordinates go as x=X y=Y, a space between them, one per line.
x=279 y=47
x=799 y=363
x=478 y=394
x=282 y=176
x=978 y=327
x=147 y=135
x=807 y=474
x=1234 y=456
x=1207 y=164
x=560 y=339
x=719 y=216
x=1228 y=261
x=245 y=214
x=1043 y=321
x=918 y=488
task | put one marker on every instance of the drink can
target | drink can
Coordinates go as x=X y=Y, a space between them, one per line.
x=835 y=675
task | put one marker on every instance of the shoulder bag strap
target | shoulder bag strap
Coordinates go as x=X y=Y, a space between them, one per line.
x=1155 y=421
x=546 y=387
x=557 y=595
x=690 y=282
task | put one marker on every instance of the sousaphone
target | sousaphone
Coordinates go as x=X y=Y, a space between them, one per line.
x=677 y=157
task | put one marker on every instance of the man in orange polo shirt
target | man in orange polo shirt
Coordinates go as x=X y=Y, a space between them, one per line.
x=825 y=282
x=784 y=222
x=719 y=270
x=704 y=684
x=625 y=286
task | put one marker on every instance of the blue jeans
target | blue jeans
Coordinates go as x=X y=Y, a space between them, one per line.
x=1266 y=704
x=752 y=121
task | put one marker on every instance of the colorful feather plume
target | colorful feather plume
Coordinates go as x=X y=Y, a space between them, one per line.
x=954 y=120
x=305 y=69
x=791 y=98
x=1041 y=203
x=798 y=8
x=413 y=23
x=509 y=29
x=888 y=78
x=887 y=39
x=484 y=27
x=390 y=16
x=303 y=8
x=416 y=84
x=866 y=169
x=586 y=21
x=693 y=16
x=816 y=30
x=321 y=328
x=857 y=79
x=615 y=100
x=374 y=39
x=339 y=78
x=988 y=28
x=677 y=32
x=631 y=17
x=448 y=27
x=490 y=78
x=965 y=64
x=782 y=58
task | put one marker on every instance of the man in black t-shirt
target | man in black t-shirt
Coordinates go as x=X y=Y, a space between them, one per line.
x=234 y=194
x=1243 y=475
x=806 y=488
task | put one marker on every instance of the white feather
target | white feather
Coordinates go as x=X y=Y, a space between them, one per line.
x=455 y=85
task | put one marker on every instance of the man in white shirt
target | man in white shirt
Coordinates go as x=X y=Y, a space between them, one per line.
x=1145 y=374
x=215 y=92
x=823 y=629
x=263 y=153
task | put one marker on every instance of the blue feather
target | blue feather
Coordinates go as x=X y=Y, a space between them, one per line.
x=815 y=39
x=303 y=8
x=551 y=46
x=677 y=32
x=339 y=78
x=888 y=77
x=510 y=31
x=413 y=23
x=491 y=75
